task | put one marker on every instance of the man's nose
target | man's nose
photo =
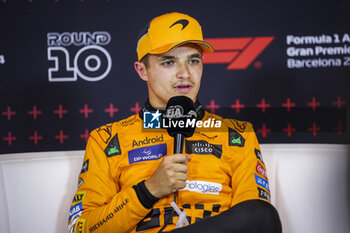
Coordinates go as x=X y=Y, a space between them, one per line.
x=183 y=71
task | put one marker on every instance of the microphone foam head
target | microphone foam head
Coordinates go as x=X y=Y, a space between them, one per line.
x=180 y=114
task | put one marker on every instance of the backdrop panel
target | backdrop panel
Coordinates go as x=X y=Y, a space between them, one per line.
x=66 y=67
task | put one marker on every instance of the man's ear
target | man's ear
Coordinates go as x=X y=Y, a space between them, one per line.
x=141 y=70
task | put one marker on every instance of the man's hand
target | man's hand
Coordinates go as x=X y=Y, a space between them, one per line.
x=170 y=176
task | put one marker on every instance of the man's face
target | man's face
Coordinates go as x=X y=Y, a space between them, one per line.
x=177 y=72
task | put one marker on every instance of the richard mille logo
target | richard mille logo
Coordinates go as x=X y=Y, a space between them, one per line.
x=183 y=22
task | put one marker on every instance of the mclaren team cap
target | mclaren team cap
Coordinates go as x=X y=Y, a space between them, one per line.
x=168 y=31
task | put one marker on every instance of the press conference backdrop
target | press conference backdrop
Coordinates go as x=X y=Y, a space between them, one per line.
x=66 y=68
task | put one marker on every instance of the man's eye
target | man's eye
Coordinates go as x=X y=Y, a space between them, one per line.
x=168 y=63
x=194 y=61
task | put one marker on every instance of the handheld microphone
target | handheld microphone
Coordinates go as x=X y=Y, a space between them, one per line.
x=180 y=113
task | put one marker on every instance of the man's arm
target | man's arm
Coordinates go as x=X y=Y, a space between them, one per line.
x=99 y=204
x=249 y=178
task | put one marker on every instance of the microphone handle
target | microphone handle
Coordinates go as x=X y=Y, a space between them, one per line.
x=179 y=143
x=178 y=149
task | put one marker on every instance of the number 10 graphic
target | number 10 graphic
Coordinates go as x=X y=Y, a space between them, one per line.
x=91 y=63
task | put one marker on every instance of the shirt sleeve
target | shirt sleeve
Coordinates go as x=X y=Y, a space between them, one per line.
x=249 y=180
x=99 y=205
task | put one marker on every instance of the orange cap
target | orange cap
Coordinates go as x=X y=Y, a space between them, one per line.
x=168 y=31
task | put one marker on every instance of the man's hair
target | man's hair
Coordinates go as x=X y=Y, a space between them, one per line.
x=145 y=61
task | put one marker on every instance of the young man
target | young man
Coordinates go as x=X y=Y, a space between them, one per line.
x=130 y=175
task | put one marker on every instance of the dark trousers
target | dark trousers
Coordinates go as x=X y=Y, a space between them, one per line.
x=253 y=216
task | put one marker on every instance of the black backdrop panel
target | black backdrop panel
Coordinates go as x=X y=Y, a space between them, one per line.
x=66 y=67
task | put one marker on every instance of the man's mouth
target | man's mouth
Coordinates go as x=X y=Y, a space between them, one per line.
x=183 y=88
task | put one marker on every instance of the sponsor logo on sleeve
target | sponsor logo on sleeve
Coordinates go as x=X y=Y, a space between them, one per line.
x=259 y=155
x=109 y=216
x=79 y=197
x=76 y=209
x=80 y=226
x=203 y=148
x=264 y=194
x=262 y=182
x=147 y=153
x=85 y=167
x=113 y=147
x=128 y=122
x=239 y=125
x=204 y=187
x=260 y=169
x=80 y=182
x=105 y=132
x=235 y=139
x=73 y=221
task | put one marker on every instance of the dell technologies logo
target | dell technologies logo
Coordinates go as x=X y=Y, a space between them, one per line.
x=204 y=187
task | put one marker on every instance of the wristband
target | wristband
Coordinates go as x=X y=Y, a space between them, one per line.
x=145 y=197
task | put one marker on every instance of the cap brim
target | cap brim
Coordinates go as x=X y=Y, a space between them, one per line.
x=205 y=46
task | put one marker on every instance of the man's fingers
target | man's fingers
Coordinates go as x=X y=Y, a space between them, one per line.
x=180 y=185
x=179 y=158
x=178 y=167
x=181 y=176
x=170 y=176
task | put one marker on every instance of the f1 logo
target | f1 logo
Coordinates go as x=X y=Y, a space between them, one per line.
x=238 y=52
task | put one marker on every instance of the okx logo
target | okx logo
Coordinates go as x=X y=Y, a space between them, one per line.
x=74 y=54
x=238 y=52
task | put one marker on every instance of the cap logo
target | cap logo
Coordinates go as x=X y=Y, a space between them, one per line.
x=183 y=22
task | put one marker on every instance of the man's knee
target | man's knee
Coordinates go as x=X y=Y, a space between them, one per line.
x=255 y=216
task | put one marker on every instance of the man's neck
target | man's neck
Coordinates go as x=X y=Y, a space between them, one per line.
x=156 y=105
